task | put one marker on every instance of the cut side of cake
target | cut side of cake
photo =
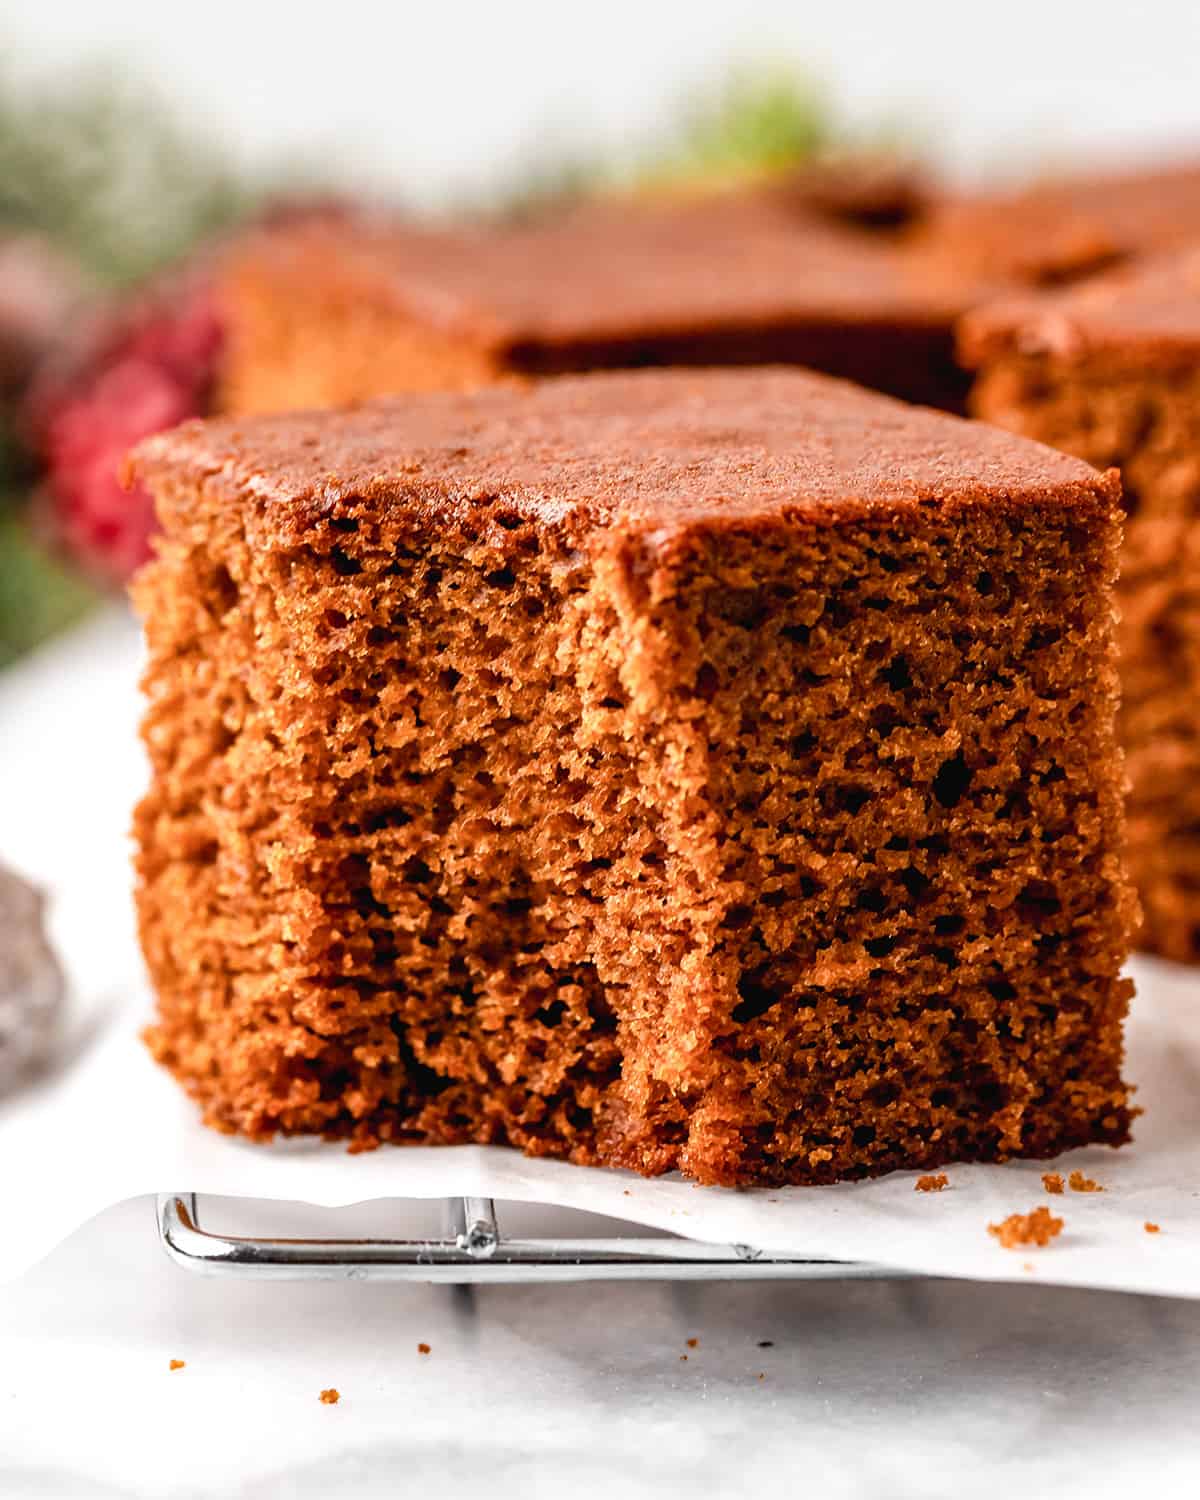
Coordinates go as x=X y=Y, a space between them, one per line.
x=328 y=314
x=698 y=770
x=1111 y=372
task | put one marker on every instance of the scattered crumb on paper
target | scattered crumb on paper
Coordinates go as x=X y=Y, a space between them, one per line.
x=1036 y=1228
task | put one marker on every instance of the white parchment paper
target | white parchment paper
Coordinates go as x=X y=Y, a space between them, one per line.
x=106 y=1125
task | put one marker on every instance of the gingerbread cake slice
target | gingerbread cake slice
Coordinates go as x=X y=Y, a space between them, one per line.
x=1111 y=372
x=327 y=313
x=690 y=769
x=1066 y=228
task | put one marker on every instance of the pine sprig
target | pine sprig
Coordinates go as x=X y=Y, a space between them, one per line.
x=38 y=594
x=752 y=122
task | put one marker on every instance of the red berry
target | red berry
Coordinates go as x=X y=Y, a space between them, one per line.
x=142 y=365
x=141 y=368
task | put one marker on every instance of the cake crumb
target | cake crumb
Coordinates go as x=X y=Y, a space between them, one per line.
x=424 y=1349
x=692 y=1343
x=1151 y=1228
x=1036 y=1228
x=179 y=1364
x=1078 y=1183
x=331 y=1397
x=933 y=1182
x=1052 y=1182
x=683 y=1358
x=761 y=1375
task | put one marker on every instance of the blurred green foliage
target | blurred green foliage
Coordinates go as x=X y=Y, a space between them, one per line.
x=107 y=171
x=38 y=594
x=754 y=121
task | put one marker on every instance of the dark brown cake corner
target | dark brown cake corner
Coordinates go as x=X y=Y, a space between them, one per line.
x=693 y=770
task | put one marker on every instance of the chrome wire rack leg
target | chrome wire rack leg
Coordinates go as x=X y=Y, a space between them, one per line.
x=475 y=1251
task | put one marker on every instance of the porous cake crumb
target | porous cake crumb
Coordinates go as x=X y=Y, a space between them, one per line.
x=331 y=1396
x=1110 y=371
x=1052 y=1182
x=709 y=771
x=1078 y=1183
x=424 y=1349
x=933 y=1183
x=1036 y=1228
x=693 y=1343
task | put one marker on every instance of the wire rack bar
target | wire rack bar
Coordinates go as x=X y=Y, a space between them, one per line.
x=474 y=1250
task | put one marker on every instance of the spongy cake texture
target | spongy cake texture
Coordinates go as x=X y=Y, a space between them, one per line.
x=691 y=770
x=1111 y=372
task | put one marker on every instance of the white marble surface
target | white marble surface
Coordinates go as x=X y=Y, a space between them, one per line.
x=878 y=1389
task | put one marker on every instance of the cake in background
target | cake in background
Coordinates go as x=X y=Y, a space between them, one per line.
x=1067 y=227
x=1110 y=371
x=329 y=314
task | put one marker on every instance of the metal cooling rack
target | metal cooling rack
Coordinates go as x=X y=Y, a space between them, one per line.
x=473 y=1250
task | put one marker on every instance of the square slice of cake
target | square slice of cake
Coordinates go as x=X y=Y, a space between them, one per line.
x=699 y=770
x=335 y=311
x=1111 y=372
x=1065 y=229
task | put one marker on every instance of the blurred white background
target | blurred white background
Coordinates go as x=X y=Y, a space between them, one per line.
x=441 y=98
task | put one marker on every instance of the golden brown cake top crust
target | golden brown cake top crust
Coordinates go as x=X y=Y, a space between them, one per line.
x=651 y=451
x=1150 y=310
x=631 y=268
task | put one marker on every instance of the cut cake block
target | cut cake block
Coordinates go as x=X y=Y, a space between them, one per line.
x=699 y=770
x=1111 y=372
x=330 y=313
x=1066 y=228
